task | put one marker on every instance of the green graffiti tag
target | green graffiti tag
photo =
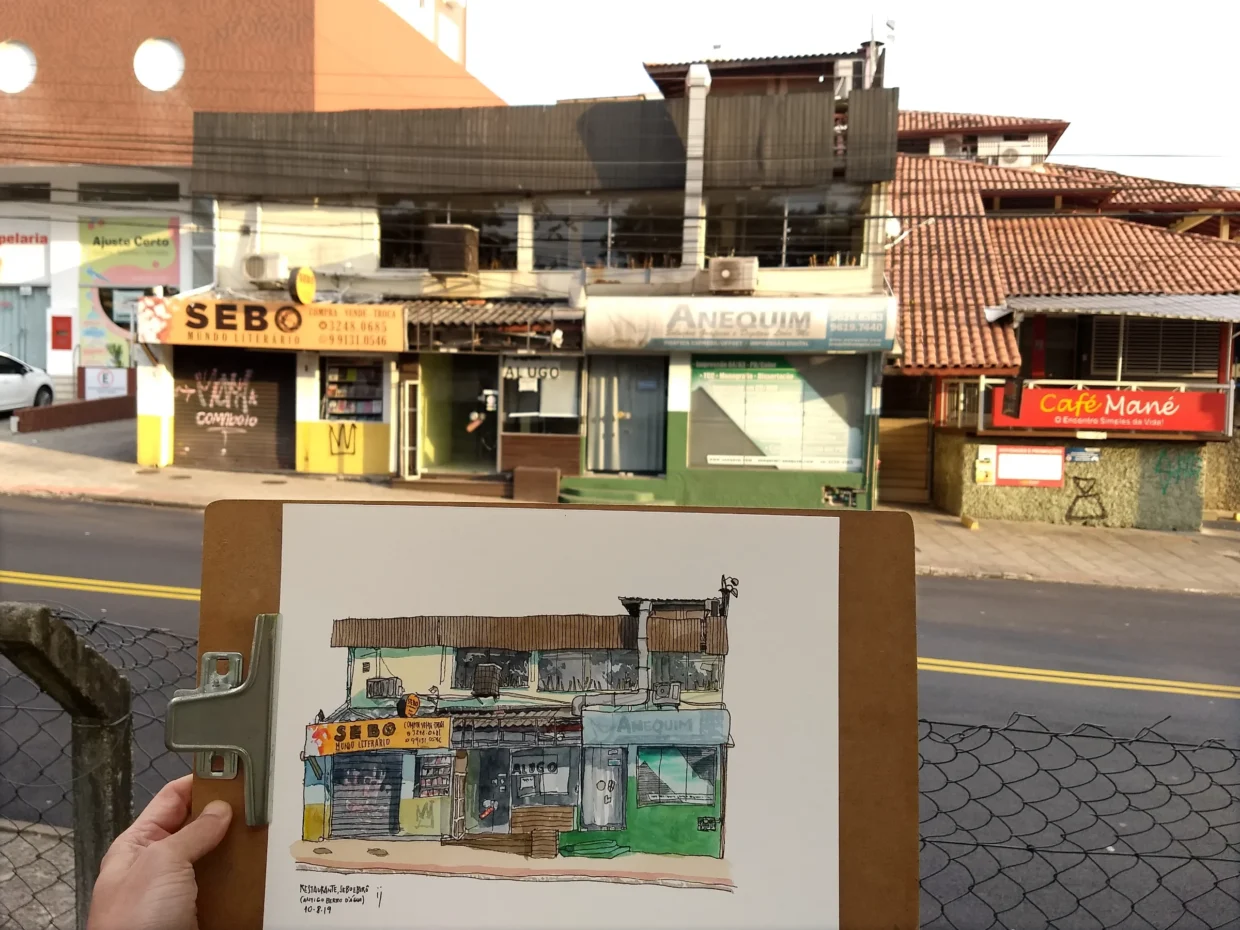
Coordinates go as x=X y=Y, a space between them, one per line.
x=1176 y=468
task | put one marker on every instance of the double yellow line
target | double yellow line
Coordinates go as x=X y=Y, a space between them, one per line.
x=1083 y=679
x=99 y=586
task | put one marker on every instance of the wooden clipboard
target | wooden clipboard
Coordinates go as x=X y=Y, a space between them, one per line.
x=877 y=706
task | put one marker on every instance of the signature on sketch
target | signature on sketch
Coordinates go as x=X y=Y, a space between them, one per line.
x=557 y=747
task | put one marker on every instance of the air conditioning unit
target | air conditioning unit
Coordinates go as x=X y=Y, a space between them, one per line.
x=486 y=681
x=266 y=268
x=384 y=689
x=666 y=694
x=452 y=249
x=1018 y=155
x=953 y=147
x=733 y=275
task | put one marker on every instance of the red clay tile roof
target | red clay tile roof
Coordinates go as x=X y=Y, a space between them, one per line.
x=1146 y=192
x=920 y=123
x=1087 y=254
x=946 y=272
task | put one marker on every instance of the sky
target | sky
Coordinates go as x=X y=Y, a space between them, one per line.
x=1149 y=95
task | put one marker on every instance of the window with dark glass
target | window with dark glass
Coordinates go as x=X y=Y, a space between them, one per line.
x=676 y=775
x=27 y=192
x=405 y=233
x=587 y=670
x=628 y=230
x=514 y=667
x=114 y=192
x=692 y=671
x=542 y=394
x=798 y=229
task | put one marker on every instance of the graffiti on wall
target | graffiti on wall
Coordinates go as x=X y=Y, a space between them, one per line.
x=1176 y=468
x=342 y=439
x=1087 y=505
x=227 y=402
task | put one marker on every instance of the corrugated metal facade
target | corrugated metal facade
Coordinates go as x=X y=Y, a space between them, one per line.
x=870 y=153
x=769 y=141
x=758 y=140
x=528 y=634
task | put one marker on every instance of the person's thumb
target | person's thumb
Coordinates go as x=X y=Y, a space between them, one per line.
x=196 y=839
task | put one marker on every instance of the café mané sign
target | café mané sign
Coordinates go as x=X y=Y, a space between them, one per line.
x=1116 y=410
x=258 y=324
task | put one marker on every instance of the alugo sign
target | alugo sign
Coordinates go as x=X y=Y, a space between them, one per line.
x=1131 y=411
x=729 y=324
x=272 y=324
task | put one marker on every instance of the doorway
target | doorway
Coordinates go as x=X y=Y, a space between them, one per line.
x=409 y=429
x=627 y=430
x=493 y=800
x=460 y=413
x=23 y=323
x=604 y=780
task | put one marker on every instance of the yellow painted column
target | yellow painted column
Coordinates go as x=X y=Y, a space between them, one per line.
x=156 y=405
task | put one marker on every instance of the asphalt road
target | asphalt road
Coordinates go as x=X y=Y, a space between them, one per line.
x=1040 y=630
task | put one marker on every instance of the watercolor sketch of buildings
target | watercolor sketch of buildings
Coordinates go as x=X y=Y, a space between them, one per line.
x=549 y=718
x=558 y=746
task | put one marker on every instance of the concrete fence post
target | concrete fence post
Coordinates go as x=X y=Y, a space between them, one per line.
x=97 y=698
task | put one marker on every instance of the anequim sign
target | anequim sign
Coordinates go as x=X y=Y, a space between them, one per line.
x=783 y=324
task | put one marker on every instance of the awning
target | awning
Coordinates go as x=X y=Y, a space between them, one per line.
x=487 y=312
x=507 y=719
x=1214 y=308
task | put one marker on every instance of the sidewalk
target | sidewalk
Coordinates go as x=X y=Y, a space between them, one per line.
x=1207 y=562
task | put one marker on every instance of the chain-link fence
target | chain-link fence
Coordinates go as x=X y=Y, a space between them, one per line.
x=1020 y=827
x=36 y=776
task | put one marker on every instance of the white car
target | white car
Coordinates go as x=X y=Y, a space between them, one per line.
x=22 y=385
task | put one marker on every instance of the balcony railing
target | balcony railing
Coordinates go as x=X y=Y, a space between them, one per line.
x=968 y=403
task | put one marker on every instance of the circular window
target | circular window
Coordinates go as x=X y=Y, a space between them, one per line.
x=17 y=67
x=158 y=64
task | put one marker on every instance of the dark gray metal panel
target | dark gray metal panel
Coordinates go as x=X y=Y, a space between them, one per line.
x=769 y=141
x=365 y=799
x=607 y=145
x=870 y=155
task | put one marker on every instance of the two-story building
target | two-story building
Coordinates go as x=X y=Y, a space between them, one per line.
x=678 y=300
x=96 y=209
x=574 y=736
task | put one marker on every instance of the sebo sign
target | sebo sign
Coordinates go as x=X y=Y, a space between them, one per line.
x=252 y=318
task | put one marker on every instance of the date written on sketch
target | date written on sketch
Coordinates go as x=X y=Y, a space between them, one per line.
x=333 y=899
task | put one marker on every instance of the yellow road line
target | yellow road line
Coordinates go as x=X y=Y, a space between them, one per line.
x=99 y=586
x=945 y=666
x=1082 y=679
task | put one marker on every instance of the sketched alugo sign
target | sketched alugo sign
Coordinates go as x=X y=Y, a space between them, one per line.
x=729 y=324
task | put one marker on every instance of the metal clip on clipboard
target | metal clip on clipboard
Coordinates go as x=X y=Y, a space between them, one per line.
x=226 y=719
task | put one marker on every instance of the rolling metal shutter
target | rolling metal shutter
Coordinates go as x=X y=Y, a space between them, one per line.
x=366 y=794
x=235 y=409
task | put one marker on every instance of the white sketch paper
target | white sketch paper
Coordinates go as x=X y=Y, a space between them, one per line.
x=509 y=717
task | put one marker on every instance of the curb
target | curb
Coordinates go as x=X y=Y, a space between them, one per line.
x=929 y=571
x=97 y=497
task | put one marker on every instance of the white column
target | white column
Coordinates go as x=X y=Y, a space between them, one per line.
x=697 y=86
x=525 y=236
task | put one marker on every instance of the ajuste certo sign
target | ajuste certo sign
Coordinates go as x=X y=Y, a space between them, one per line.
x=1132 y=411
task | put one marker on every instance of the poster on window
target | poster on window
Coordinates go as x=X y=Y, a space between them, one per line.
x=797 y=414
x=553 y=779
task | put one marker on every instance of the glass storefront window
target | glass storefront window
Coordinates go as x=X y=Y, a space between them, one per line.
x=794 y=229
x=798 y=414
x=514 y=667
x=404 y=237
x=692 y=671
x=352 y=389
x=542 y=394
x=569 y=670
x=676 y=775
x=637 y=230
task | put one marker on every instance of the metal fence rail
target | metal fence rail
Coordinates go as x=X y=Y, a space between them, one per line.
x=1020 y=827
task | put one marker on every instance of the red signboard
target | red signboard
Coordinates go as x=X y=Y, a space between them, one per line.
x=1117 y=411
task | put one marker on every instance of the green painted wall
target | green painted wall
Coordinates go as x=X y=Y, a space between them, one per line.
x=662 y=829
x=436 y=413
x=726 y=487
x=1149 y=485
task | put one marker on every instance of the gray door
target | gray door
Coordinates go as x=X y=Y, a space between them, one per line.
x=627 y=430
x=366 y=794
x=23 y=324
x=603 y=782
